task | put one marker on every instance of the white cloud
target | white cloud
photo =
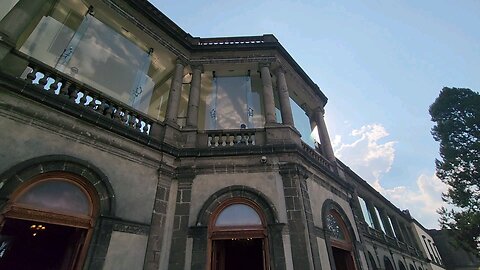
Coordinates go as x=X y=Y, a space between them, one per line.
x=423 y=201
x=366 y=155
x=371 y=156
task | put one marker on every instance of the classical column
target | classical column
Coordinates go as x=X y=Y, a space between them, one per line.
x=175 y=92
x=194 y=98
x=21 y=16
x=325 y=143
x=268 y=101
x=285 y=108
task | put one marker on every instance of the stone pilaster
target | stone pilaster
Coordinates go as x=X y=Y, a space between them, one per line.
x=300 y=239
x=325 y=143
x=178 y=248
x=268 y=100
x=157 y=226
x=285 y=108
x=175 y=93
x=194 y=98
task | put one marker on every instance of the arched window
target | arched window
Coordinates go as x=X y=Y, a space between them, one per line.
x=49 y=220
x=237 y=231
x=340 y=241
x=401 y=266
x=388 y=264
x=412 y=267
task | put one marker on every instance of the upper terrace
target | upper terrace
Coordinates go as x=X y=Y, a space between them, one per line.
x=133 y=65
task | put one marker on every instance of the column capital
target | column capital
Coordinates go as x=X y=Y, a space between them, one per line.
x=264 y=64
x=181 y=61
x=319 y=110
x=281 y=69
x=196 y=66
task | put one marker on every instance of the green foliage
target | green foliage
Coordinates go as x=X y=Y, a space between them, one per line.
x=456 y=113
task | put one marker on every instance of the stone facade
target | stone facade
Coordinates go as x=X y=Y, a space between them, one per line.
x=158 y=181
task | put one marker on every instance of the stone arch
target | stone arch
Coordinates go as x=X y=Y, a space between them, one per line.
x=372 y=260
x=199 y=232
x=388 y=264
x=327 y=207
x=330 y=204
x=18 y=175
x=237 y=192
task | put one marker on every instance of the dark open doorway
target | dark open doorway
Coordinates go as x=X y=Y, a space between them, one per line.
x=238 y=254
x=40 y=245
x=343 y=259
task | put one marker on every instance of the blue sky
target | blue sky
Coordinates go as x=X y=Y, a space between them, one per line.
x=380 y=63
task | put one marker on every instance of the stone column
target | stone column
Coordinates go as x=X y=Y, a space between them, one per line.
x=194 y=98
x=325 y=143
x=300 y=218
x=175 y=92
x=268 y=100
x=285 y=108
x=20 y=17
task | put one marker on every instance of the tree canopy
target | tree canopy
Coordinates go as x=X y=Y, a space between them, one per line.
x=456 y=113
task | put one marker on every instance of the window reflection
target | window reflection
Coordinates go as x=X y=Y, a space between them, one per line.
x=232 y=102
x=238 y=215
x=58 y=196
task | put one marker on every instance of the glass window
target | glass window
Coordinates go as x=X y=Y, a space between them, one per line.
x=366 y=214
x=302 y=124
x=57 y=196
x=238 y=215
x=391 y=226
x=333 y=225
x=232 y=102
x=105 y=53
x=380 y=219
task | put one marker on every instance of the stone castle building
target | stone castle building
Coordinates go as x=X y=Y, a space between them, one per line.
x=127 y=143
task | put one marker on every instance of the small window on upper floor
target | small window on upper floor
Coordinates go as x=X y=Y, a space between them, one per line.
x=366 y=214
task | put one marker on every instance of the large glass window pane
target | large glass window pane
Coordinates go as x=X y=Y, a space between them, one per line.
x=105 y=53
x=231 y=102
x=302 y=123
x=57 y=196
x=238 y=215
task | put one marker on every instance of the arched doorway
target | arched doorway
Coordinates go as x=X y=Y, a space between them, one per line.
x=340 y=241
x=238 y=237
x=388 y=264
x=47 y=223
